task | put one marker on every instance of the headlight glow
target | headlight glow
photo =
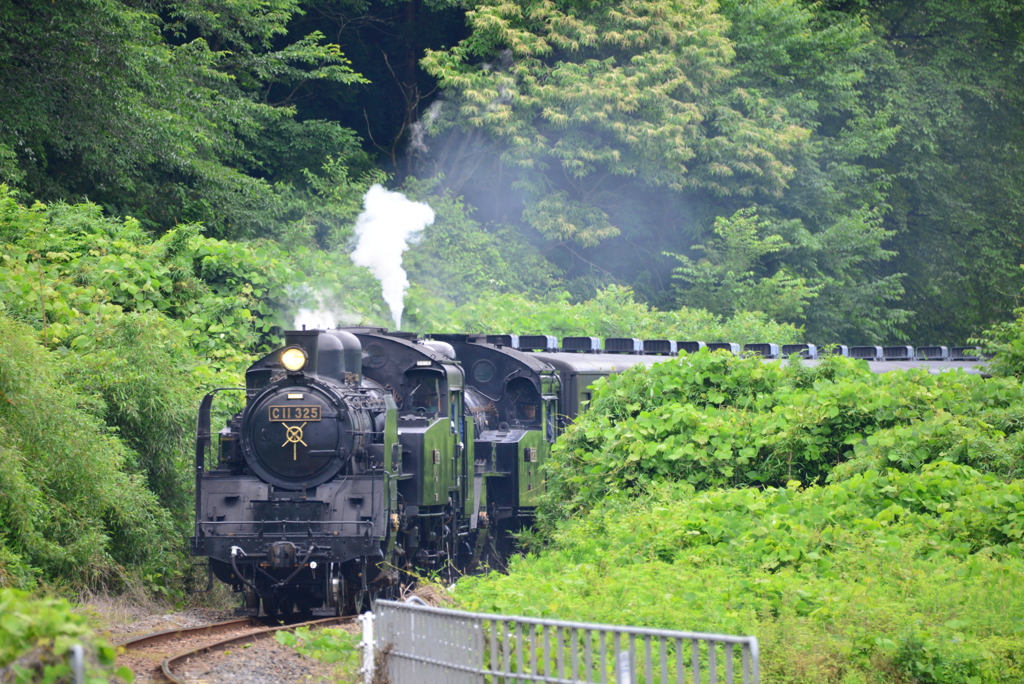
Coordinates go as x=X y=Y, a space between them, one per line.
x=293 y=358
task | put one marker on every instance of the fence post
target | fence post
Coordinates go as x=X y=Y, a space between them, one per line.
x=367 y=646
x=77 y=664
x=625 y=668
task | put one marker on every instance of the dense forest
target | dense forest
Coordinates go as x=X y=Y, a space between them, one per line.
x=851 y=167
x=181 y=179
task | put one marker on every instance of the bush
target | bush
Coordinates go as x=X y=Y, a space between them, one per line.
x=1005 y=341
x=714 y=420
x=36 y=636
x=887 y=576
x=612 y=313
x=70 y=508
x=141 y=375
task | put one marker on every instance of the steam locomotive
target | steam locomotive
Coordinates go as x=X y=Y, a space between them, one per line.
x=364 y=456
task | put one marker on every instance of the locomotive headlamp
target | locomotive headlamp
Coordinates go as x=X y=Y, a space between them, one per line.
x=293 y=358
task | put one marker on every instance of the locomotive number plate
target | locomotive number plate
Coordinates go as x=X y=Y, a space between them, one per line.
x=287 y=414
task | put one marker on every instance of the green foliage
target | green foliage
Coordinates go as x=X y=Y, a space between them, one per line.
x=887 y=576
x=713 y=420
x=948 y=76
x=831 y=213
x=725 y=281
x=636 y=90
x=327 y=645
x=36 y=636
x=160 y=110
x=642 y=126
x=139 y=372
x=71 y=508
x=459 y=260
x=68 y=267
x=612 y=313
x=1005 y=341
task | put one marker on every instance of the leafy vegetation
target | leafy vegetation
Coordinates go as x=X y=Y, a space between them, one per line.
x=716 y=421
x=1005 y=342
x=75 y=505
x=884 y=577
x=585 y=145
x=866 y=527
x=180 y=178
x=36 y=638
x=613 y=312
x=326 y=645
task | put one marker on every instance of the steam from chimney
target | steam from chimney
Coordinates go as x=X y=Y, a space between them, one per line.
x=388 y=220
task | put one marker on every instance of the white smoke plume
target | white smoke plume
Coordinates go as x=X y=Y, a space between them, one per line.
x=324 y=311
x=420 y=129
x=388 y=220
x=308 y=319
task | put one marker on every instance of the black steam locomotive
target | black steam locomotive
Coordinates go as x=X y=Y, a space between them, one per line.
x=363 y=455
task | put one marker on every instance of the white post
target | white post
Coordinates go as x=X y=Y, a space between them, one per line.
x=625 y=668
x=367 y=646
x=77 y=664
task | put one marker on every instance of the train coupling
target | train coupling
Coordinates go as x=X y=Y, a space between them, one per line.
x=282 y=555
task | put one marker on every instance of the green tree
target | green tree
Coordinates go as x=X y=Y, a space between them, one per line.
x=581 y=99
x=624 y=131
x=950 y=76
x=726 y=279
x=158 y=109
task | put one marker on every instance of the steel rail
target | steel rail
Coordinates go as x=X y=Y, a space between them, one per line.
x=265 y=633
x=172 y=634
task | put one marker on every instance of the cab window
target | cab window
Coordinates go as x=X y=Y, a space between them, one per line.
x=425 y=395
x=551 y=420
x=524 y=403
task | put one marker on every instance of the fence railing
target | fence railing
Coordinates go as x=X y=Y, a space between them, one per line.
x=425 y=644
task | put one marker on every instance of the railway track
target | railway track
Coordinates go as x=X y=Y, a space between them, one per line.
x=160 y=657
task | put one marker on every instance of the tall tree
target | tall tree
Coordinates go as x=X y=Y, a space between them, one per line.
x=953 y=78
x=158 y=108
x=622 y=130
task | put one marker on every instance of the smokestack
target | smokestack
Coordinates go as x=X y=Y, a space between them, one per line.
x=388 y=220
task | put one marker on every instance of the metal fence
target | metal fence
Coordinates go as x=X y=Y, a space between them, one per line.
x=427 y=645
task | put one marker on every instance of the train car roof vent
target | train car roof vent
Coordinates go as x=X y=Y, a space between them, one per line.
x=403 y=335
x=623 y=345
x=870 y=353
x=504 y=340
x=690 y=347
x=935 y=353
x=767 y=350
x=546 y=343
x=806 y=351
x=834 y=350
x=965 y=353
x=898 y=353
x=585 y=345
x=661 y=347
x=730 y=347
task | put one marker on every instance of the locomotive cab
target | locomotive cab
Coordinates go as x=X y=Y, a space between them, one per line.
x=512 y=399
x=426 y=382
